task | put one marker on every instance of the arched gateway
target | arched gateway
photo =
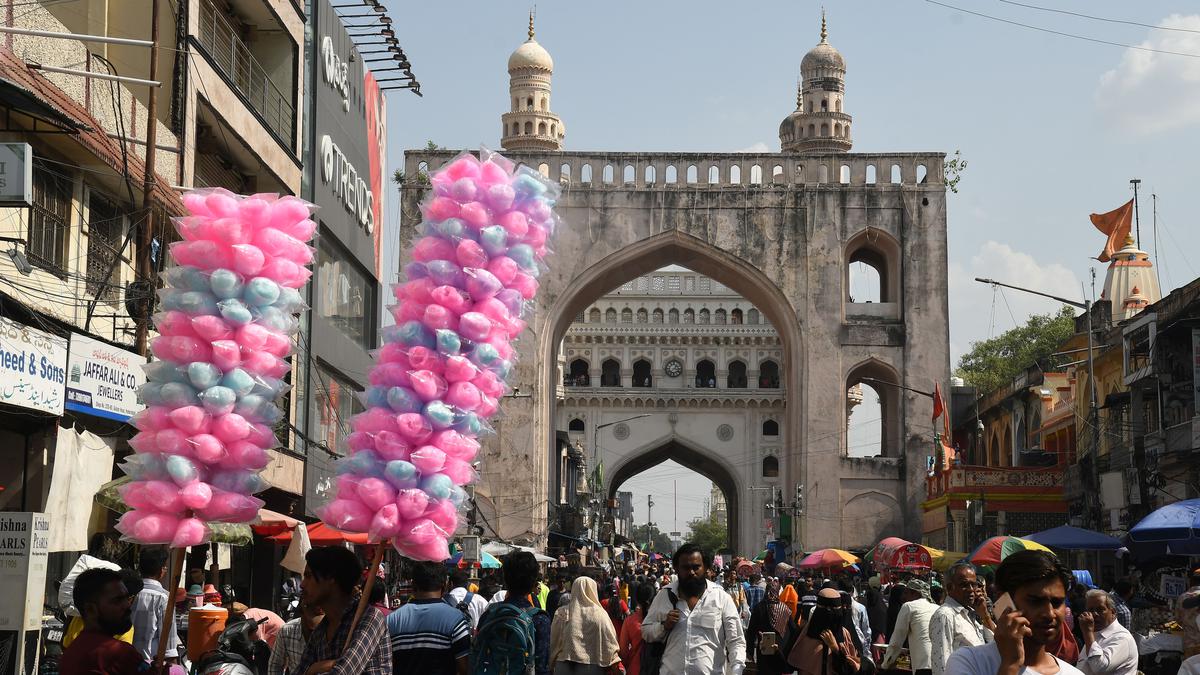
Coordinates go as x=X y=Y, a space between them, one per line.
x=784 y=247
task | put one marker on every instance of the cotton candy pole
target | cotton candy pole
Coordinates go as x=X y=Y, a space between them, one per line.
x=441 y=372
x=225 y=327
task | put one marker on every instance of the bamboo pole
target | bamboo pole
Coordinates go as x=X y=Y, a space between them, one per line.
x=168 y=623
x=365 y=598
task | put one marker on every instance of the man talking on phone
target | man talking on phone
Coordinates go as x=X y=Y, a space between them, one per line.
x=1108 y=647
x=1036 y=582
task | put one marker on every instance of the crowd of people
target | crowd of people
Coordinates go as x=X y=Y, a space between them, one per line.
x=677 y=617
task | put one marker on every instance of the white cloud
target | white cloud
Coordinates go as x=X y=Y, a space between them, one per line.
x=1149 y=93
x=758 y=147
x=973 y=316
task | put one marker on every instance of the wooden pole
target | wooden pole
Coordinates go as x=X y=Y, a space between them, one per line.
x=365 y=598
x=146 y=231
x=168 y=623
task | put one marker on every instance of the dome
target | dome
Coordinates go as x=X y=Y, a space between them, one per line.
x=530 y=55
x=822 y=56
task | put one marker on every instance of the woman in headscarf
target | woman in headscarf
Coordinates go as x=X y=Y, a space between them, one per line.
x=582 y=639
x=825 y=646
x=629 y=642
x=770 y=616
x=789 y=597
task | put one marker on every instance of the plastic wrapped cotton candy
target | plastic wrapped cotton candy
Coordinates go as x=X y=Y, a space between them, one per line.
x=441 y=371
x=225 y=329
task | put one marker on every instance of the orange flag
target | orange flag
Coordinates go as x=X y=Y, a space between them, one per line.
x=939 y=410
x=1115 y=224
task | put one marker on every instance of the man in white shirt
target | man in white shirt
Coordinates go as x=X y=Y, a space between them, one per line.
x=1037 y=584
x=472 y=603
x=913 y=625
x=963 y=621
x=702 y=629
x=1108 y=647
x=149 y=605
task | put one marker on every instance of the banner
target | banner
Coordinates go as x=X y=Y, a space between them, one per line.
x=82 y=464
x=24 y=549
x=103 y=380
x=33 y=366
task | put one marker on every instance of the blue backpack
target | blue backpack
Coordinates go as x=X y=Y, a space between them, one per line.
x=506 y=643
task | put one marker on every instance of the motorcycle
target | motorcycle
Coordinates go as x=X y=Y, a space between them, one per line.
x=238 y=652
x=54 y=625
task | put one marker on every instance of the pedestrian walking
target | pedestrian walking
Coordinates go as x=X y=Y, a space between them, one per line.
x=825 y=646
x=471 y=604
x=289 y=644
x=629 y=640
x=428 y=636
x=149 y=604
x=773 y=619
x=514 y=635
x=912 y=626
x=582 y=639
x=697 y=620
x=329 y=582
x=1036 y=582
x=963 y=620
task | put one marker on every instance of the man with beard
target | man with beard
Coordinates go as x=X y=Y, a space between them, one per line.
x=105 y=605
x=825 y=645
x=1037 y=584
x=702 y=629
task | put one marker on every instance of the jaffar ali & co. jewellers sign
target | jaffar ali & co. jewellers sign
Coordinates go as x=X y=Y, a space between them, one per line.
x=336 y=170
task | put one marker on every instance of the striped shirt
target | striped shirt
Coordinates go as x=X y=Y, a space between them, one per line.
x=428 y=636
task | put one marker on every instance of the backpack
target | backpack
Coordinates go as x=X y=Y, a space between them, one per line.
x=506 y=643
x=652 y=652
x=463 y=606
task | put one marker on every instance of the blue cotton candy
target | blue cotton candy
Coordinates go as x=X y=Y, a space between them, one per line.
x=273 y=318
x=376 y=397
x=401 y=474
x=413 y=334
x=252 y=406
x=182 y=470
x=450 y=228
x=468 y=423
x=203 y=375
x=225 y=284
x=494 y=240
x=440 y=415
x=187 y=278
x=260 y=291
x=242 y=482
x=239 y=381
x=437 y=486
x=444 y=273
x=177 y=395
x=151 y=393
x=485 y=354
x=364 y=463
x=197 y=303
x=416 y=270
x=526 y=185
x=449 y=343
x=164 y=371
x=289 y=301
x=402 y=400
x=522 y=254
x=458 y=496
x=235 y=312
x=216 y=400
x=269 y=387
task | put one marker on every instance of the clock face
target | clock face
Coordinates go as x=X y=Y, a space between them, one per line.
x=673 y=368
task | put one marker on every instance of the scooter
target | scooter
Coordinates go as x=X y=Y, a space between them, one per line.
x=234 y=654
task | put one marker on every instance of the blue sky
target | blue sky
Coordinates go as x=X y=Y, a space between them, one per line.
x=1052 y=127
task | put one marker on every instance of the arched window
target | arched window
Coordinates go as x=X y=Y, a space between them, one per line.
x=812 y=130
x=922 y=173
x=736 y=379
x=585 y=174
x=627 y=315
x=693 y=175
x=838 y=105
x=541 y=128
x=529 y=128
x=628 y=174
x=768 y=375
x=594 y=316
x=689 y=316
x=671 y=175
x=735 y=175
x=824 y=130
x=770 y=467
x=896 y=176
x=719 y=317
x=673 y=316
x=641 y=374
x=610 y=315
x=553 y=129
x=845 y=174
x=610 y=373
x=735 y=317
x=608 y=174
x=656 y=316
x=544 y=169
x=1006 y=448
x=714 y=175
x=752 y=317
x=564 y=172
x=706 y=375
x=705 y=317
x=643 y=316
x=529 y=103
x=824 y=106
x=544 y=105
x=777 y=174
x=650 y=175
x=837 y=129
x=576 y=426
x=578 y=376
x=770 y=428
x=870 y=179
x=873 y=411
x=756 y=175
x=823 y=174
x=872 y=268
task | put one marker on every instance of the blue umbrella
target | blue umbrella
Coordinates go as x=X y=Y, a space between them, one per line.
x=488 y=561
x=1075 y=539
x=1175 y=528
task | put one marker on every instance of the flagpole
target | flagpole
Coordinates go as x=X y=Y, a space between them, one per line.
x=1136 y=219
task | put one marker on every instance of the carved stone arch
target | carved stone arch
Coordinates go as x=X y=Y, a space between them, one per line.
x=880 y=251
x=869 y=515
x=890 y=402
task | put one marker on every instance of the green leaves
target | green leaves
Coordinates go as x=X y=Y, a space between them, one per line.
x=993 y=363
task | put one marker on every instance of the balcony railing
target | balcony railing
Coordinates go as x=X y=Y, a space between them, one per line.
x=972 y=478
x=235 y=60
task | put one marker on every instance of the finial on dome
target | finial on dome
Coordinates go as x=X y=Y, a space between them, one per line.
x=799 y=94
x=1129 y=242
x=532 y=12
x=824 y=33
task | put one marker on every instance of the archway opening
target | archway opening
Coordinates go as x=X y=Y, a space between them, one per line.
x=706 y=374
x=642 y=376
x=610 y=373
x=872 y=411
x=578 y=375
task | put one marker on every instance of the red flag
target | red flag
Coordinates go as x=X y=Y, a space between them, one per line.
x=1115 y=224
x=939 y=405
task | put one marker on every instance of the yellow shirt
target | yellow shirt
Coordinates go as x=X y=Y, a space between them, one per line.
x=76 y=627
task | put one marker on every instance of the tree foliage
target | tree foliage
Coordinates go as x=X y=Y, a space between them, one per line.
x=993 y=363
x=662 y=543
x=953 y=170
x=709 y=534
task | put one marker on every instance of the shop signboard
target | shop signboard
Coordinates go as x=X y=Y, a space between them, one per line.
x=24 y=552
x=16 y=174
x=33 y=366
x=103 y=380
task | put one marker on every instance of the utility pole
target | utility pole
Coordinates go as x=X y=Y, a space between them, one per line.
x=649 y=522
x=1137 y=221
x=146 y=234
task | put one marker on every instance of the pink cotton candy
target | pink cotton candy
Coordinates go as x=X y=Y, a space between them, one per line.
x=492 y=172
x=195 y=203
x=536 y=237
x=490 y=384
x=386 y=523
x=463 y=190
x=389 y=445
x=180 y=349
x=436 y=317
x=494 y=310
x=481 y=284
x=252 y=336
x=226 y=355
x=434 y=549
x=433 y=248
x=459 y=368
x=373 y=421
x=390 y=375
x=424 y=531
x=245 y=455
x=500 y=197
x=262 y=363
x=441 y=208
x=459 y=471
x=230 y=427
x=374 y=493
x=230 y=507
x=282 y=271
x=424 y=358
x=148 y=527
x=487 y=407
x=360 y=440
x=207 y=448
x=262 y=435
x=248 y=260
x=515 y=223
x=229 y=231
x=463 y=395
x=152 y=418
x=211 y=327
x=174 y=322
x=428 y=459
x=277 y=344
x=409 y=311
x=347 y=515
x=537 y=210
x=469 y=253
x=172 y=442
x=196 y=495
x=288 y=215
x=190 y=532
x=456 y=445
x=427 y=385
x=414 y=427
x=412 y=503
x=190 y=419
x=161 y=495
x=221 y=204
x=525 y=285
x=146 y=441
x=476 y=215
x=451 y=298
x=504 y=268
x=474 y=326
x=394 y=352
x=416 y=290
x=444 y=514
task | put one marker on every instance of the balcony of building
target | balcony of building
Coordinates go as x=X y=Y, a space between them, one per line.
x=967 y=481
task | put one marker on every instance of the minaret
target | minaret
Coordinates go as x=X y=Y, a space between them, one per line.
x=818 y=124
x=529 y=124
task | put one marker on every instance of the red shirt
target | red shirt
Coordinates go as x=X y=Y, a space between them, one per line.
x=94 y=653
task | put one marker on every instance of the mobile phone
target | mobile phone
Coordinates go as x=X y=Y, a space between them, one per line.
x=1003 y=603
x=767 y=644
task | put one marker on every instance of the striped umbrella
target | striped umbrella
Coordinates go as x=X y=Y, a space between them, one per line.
x=827 y=558
x=993 y=550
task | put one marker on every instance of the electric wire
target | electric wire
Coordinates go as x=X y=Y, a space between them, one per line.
x=1097 y=18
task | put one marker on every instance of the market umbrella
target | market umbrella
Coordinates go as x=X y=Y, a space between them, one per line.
x=487 y=561
x=886 y=542
x=827 y=558
x=993 y=550
x=762 y=556
x=943 y=560
x=270 y=523
x=1174 y=528
x=1075 y=539
x=320 y=534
